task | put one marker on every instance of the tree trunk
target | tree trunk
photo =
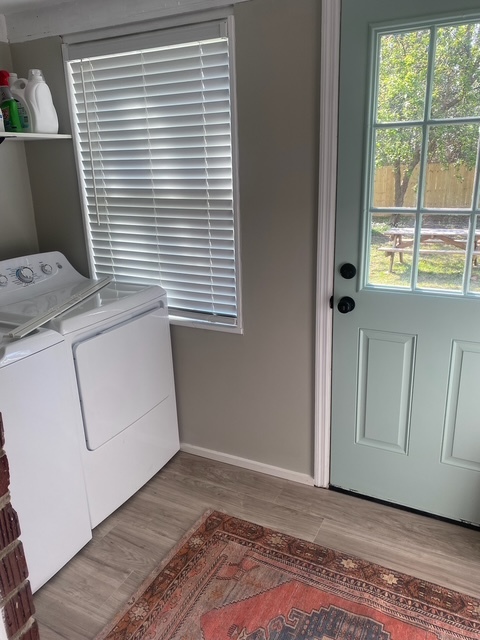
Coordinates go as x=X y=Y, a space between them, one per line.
x=402 y=180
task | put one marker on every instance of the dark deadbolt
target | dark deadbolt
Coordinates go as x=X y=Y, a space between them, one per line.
x=348 y=271
x=346 y=304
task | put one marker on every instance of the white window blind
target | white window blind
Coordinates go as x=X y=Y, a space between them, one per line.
x=153 y=129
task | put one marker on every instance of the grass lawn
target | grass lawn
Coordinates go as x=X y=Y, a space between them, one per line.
x=435 y=270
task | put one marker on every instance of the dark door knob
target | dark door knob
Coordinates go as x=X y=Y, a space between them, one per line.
x=348 y=271
x=346 y=304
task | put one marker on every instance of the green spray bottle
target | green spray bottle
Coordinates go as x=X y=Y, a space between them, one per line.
x=8 y=104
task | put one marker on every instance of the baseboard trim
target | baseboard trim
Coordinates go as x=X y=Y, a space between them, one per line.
x=245 y=463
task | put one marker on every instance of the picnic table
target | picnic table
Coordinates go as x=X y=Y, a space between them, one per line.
x=403 y=239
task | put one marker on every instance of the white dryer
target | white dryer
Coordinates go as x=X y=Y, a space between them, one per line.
x=119 y=340
x=41 y=420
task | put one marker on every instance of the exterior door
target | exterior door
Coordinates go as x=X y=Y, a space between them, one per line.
x=406 y=358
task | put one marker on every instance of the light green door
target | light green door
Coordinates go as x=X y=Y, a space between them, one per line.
x=406 y=361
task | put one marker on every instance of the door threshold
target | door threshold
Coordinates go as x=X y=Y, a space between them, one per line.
x=401 y=507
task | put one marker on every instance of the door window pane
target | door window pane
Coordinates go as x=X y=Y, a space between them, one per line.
x=443 y=244
x=397 y=161
x=452 y=157
x=456 y=82
x=391 y=241
x=475 y=274
x=402 y=76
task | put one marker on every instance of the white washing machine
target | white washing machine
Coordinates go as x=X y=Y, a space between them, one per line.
x=119 y=342
x=38 y=402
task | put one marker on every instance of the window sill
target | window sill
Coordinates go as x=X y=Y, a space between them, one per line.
x=206 y=324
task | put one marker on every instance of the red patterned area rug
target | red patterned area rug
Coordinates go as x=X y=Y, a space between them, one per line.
x=229 y=579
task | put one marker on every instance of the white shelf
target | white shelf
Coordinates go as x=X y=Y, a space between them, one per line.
x=23 y=137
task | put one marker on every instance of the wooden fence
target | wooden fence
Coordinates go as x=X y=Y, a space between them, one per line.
x=446 y=188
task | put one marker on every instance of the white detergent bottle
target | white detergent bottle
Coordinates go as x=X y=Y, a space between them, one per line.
x=17 y=87
x=40 y=104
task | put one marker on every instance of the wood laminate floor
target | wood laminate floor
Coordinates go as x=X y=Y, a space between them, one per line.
x=86 y=593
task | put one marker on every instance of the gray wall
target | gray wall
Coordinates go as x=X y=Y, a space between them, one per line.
x=17 y=235
x=51 y=164
x=246 y=395
x=252 y=395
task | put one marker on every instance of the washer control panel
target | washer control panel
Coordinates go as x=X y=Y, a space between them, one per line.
x=26 y=273
x=42 y=271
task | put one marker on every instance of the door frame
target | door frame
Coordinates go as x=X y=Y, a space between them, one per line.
x=327 y=189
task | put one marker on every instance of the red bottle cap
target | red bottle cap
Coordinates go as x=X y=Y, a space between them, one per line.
x=4 y=76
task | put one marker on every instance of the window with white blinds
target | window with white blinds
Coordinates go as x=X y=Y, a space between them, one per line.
x=154 y=137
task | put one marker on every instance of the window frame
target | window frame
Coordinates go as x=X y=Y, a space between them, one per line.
x=371 y=128
x=164 y=28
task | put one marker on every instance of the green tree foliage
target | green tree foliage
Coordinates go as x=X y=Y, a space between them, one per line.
x=401 y=98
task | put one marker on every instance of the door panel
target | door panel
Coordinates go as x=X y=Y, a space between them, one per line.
x=383 y=409
x=405 y=409
x=461 y=436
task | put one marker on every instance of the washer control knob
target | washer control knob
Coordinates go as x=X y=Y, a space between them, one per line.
x=47 y=269
x=3 y=280
x=25 y=274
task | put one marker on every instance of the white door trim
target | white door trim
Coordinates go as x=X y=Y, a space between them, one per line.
x=329 y=77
